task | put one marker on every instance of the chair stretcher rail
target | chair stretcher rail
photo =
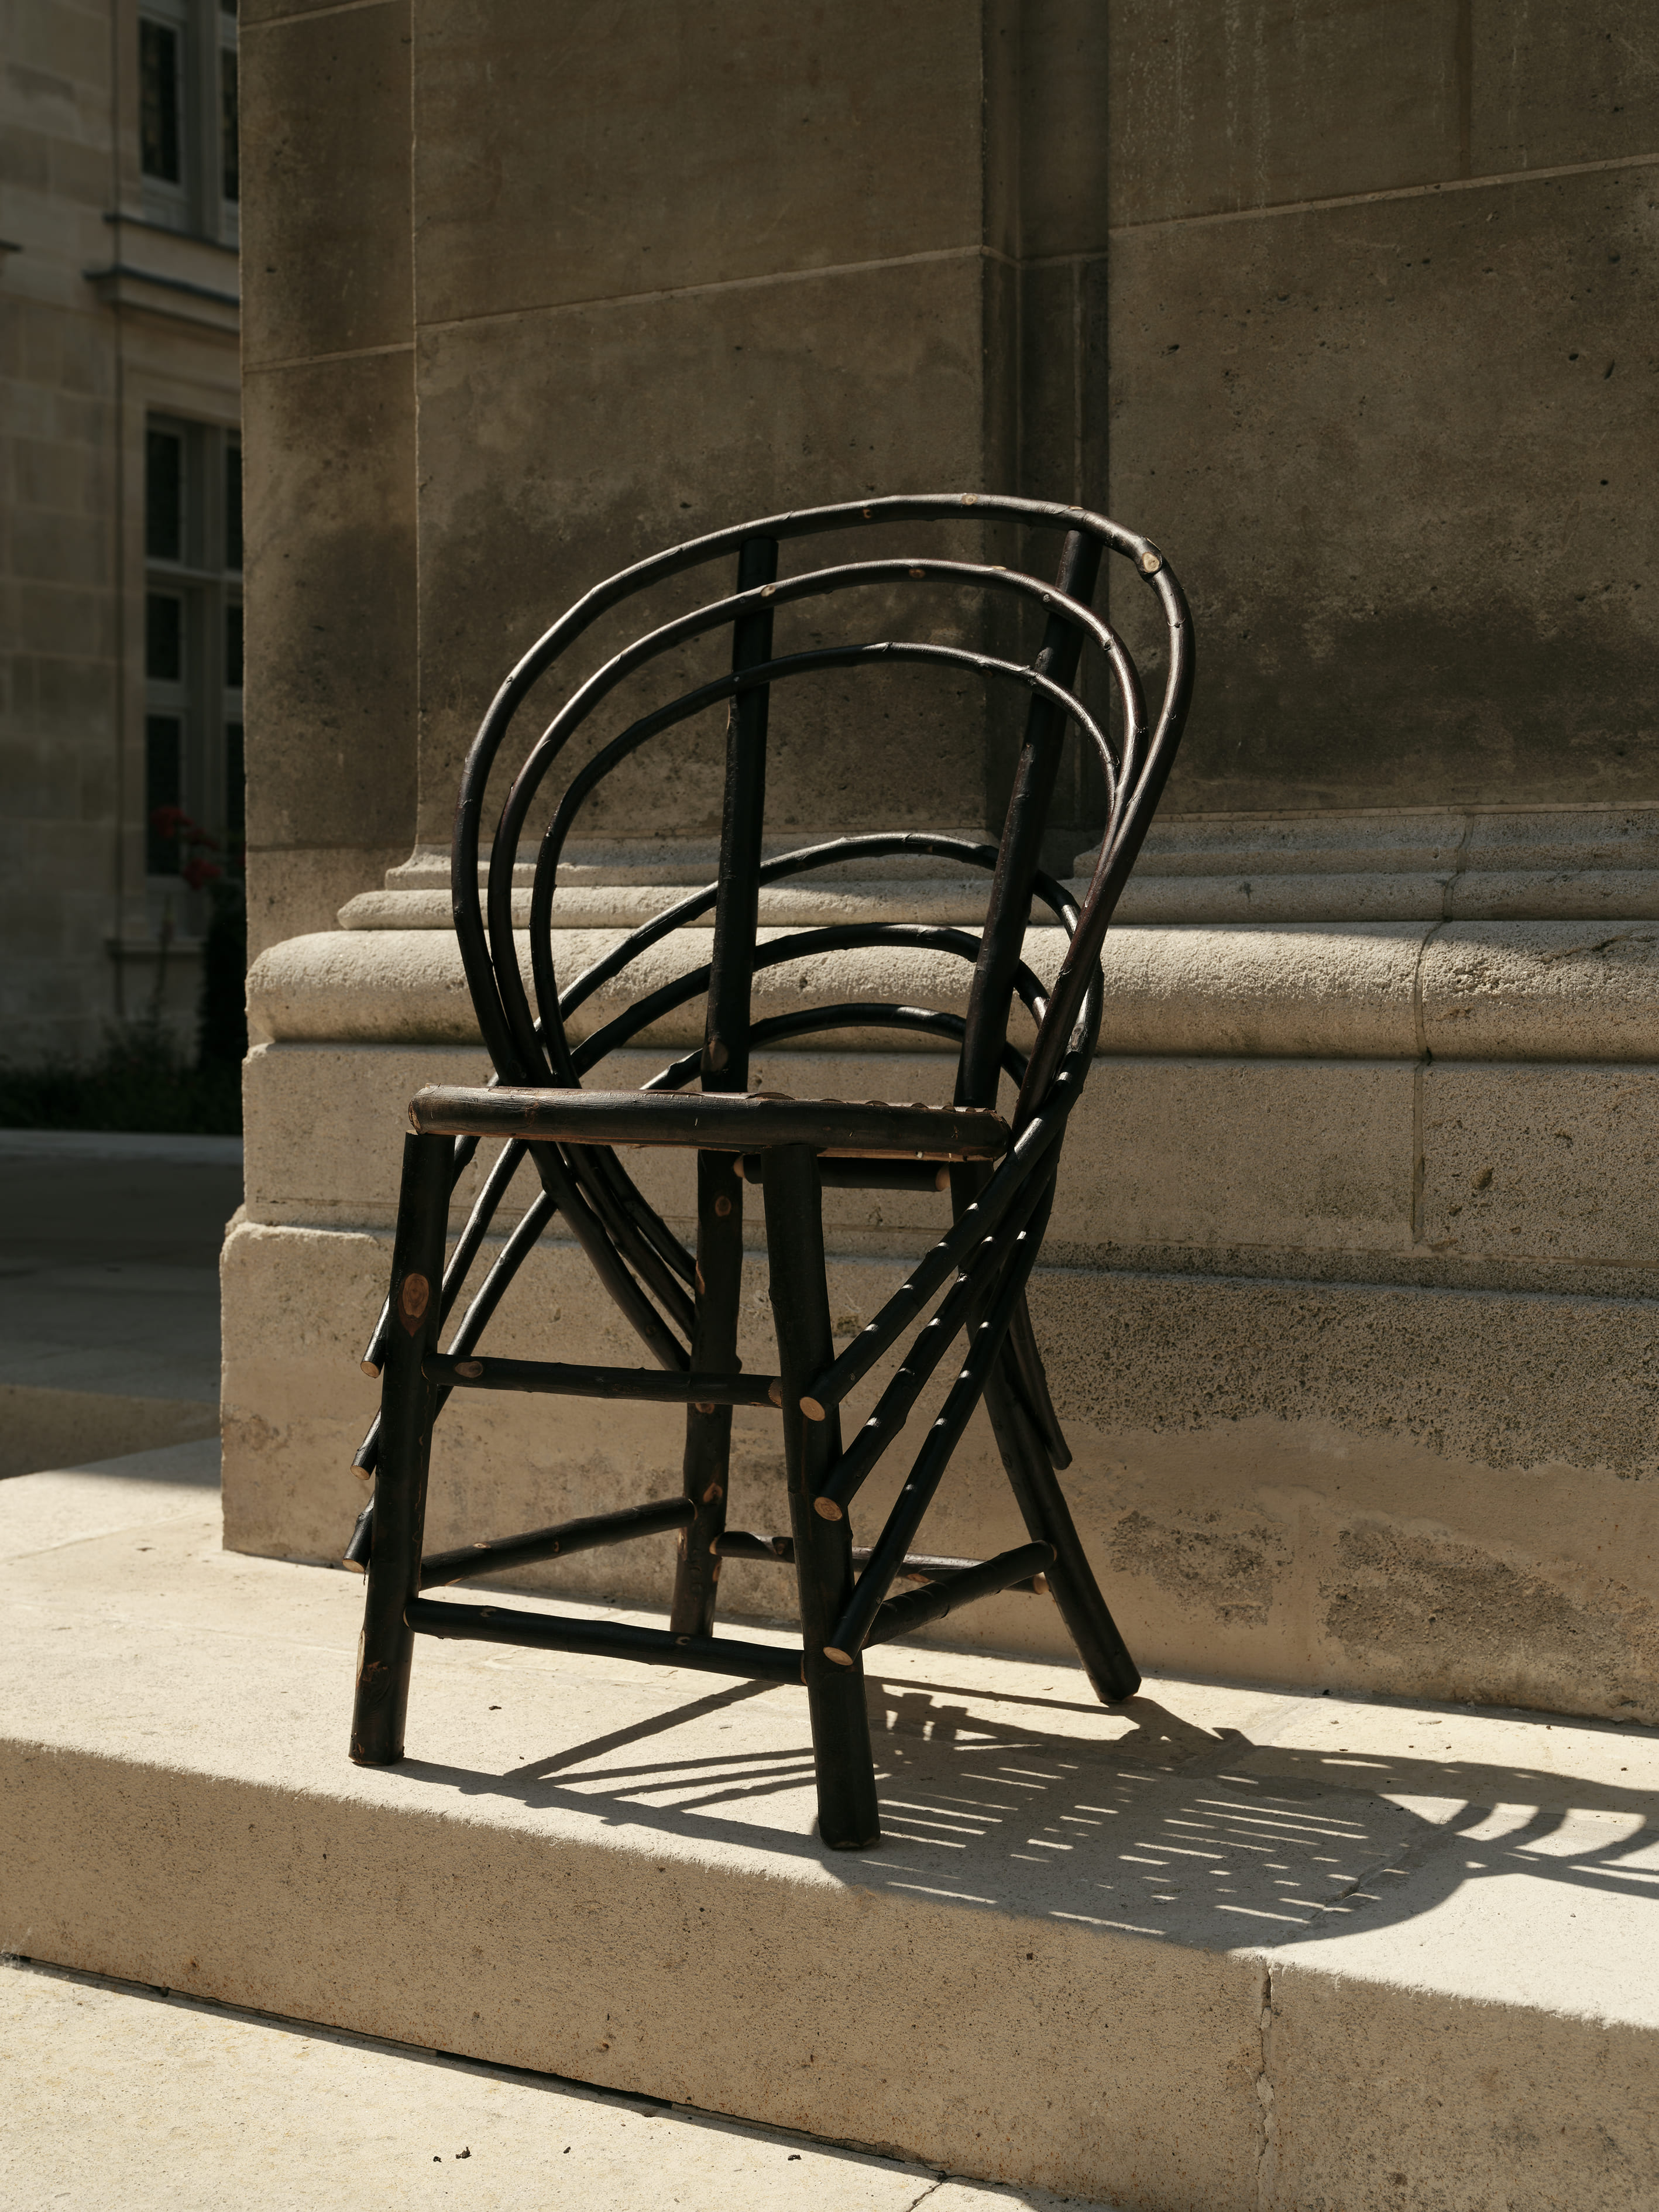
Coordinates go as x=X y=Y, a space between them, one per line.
x=593 y=1532
x=647 y=1385
x=605 y=1639
x=915 y=1608
x=918 y=1567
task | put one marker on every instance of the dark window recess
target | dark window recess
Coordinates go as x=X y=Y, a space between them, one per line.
x=230 y=172
x=233 y=648
x=164 y=637
x=232 y=506
x=163 y=758
x=164 y=495
x=158 y=101
x=236 y=781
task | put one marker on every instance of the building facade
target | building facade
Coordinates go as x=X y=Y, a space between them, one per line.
x=120 y=522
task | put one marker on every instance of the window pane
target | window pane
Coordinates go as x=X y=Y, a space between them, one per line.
x=235 y=786
x=232 y=506
x=163 y=751
x=158 y=100
x=233 y=648
x=164 y=637
x=164 y=495
x=231 y=173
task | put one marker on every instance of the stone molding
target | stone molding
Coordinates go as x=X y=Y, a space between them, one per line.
x=1490 y=934
x=175 y=274
x=1479 y=864
x=1459 y=991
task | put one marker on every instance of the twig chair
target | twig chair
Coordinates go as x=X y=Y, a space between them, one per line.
x=684 y=1306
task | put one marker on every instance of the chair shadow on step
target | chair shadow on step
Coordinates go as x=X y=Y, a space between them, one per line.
x=1136 y=1820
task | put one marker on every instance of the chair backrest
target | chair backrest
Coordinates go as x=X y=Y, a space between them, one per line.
x=527 y=1044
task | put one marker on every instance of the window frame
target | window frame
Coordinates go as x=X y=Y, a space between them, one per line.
x=206 y=705
x=196 y=202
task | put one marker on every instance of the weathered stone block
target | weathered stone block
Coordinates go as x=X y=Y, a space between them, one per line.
x=1292 y=1154
x=548 y=461
x=1355 y=1483
x=331 y=667
x=1541 y=990
x=1489 y=634
x=1275 y=101
x=1552 y=85
x=1372 y=2104
x=325 y=150
x=1064 y=129
x=1554 y=1164
x=792 y=149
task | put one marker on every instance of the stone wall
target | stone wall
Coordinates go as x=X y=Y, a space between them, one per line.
x=1382 y=286
x=1348 y=1292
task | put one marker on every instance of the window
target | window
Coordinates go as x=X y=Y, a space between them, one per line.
x=187 y=120
x=161 y=100
x=230 y=173
x=193 y=766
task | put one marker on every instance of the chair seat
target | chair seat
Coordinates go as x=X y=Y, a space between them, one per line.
x=755 y=1121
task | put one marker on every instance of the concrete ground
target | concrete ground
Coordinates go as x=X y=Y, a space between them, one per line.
x=119 y=2095
x=109 y=1291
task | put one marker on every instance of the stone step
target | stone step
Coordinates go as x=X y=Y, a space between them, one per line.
x=1223 y=1946
x=144 y=2097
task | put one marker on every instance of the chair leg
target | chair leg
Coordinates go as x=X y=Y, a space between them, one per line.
x=706 y=1466
x=408 y=1406
x=1042 y=1503
x=848 y=1818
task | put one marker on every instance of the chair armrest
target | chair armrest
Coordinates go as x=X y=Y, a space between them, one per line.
x=713 y=1122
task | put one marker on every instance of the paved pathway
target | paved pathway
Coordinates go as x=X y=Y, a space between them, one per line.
x=109 y=1291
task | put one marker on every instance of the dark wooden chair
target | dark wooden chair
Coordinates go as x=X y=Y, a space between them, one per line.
x=684 y=1307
